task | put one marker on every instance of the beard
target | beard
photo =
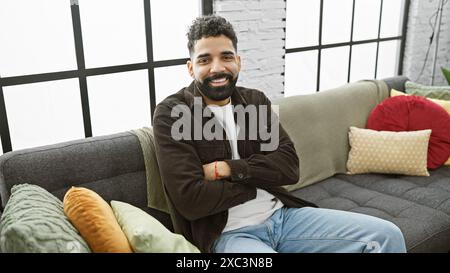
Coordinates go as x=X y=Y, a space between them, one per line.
x=217 y=93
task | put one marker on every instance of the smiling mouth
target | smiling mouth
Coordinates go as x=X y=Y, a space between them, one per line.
x=219 y=82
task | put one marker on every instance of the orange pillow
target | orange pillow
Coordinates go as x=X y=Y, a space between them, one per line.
x=95 y=221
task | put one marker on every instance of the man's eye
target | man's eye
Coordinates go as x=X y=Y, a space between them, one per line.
x=228 y=57
x=202 y=61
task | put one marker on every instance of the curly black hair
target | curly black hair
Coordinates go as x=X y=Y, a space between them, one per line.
x=210 y=26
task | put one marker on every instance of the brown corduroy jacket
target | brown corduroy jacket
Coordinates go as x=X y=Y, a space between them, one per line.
x=199 y=208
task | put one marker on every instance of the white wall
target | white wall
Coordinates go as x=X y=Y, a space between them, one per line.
x=417 y=40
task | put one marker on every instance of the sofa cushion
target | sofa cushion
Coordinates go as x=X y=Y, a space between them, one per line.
x=146 y=234
x=34 y=222
x=388 y=152
x=95 y=220
x=412 y=113
x=432 y=92
x=419 y=206
x=444 y=103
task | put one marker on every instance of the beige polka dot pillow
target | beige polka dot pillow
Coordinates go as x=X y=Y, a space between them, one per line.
x=388 y=152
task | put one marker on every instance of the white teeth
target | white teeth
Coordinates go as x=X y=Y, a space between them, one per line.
x=219 y=80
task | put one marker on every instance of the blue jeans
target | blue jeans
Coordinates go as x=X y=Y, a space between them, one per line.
x=298 y=230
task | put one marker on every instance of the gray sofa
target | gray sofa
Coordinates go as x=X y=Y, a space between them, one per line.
x=113 y=166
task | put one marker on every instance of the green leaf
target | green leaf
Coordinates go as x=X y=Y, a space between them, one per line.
x=446 y=73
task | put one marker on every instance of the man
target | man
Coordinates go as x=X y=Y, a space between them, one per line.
x=225 y=194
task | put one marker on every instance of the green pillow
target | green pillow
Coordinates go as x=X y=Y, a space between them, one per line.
x=432 y=92
x=34 y=221
x=146 y=234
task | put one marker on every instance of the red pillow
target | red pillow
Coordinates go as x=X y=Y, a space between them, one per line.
x=413 y=113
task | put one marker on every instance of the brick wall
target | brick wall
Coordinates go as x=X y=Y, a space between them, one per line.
x=261 y=41
x=417 y=40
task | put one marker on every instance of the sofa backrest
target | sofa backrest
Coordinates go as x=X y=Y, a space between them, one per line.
x=397 y=83
x=112 y=165
x=318 y=125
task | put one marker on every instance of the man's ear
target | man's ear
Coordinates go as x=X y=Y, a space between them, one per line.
x=190 y=68
x=239 y=62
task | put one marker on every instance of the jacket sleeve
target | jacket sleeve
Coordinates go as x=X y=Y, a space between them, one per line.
x=182 y=175
x=268 y=169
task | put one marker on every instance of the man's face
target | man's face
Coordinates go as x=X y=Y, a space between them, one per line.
x=215 y=66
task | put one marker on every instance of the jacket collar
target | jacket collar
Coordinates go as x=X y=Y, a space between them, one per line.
x=192 y=91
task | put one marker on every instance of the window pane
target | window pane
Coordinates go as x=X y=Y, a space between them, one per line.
x=302 y=23
x=392 y=18
x=169 y=80
x=300 y=73
x=44 y=113
x=337 y=21
x=388 y=54
x=367 y=17
x=113 y=32
x=334 y=67
x=363 y=62
x=35 y=37
x=170 y=22
x=119 y=102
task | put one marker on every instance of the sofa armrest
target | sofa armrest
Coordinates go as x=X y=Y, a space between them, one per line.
x=397 y=83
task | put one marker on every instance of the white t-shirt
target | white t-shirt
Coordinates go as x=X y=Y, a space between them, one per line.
x=257 y=210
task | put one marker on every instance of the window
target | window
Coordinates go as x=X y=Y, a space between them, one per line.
x=75 y=68
x=330 y=43
x=170 y=79
x=387 y=61
x=28 y=43
x=173 y=46
x=336 y=26
x=115 y=35
x=363 y=62
x=117 y=106
x=333 y=67
x=44 y=113
x=302 y=78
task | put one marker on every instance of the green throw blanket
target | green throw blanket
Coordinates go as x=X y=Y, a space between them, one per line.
x=156 y=196
x=319 y=123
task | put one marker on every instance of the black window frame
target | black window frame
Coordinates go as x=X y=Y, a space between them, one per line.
x=82 y=72
x=351 y=43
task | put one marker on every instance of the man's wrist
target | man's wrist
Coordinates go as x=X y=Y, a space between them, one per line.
x=223 y=169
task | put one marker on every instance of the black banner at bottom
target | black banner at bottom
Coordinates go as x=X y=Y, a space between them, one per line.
x=220 y=262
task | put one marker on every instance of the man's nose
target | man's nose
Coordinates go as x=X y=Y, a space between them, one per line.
x=217 y=66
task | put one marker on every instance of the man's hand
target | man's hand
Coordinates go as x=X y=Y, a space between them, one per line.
x=223 y=170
